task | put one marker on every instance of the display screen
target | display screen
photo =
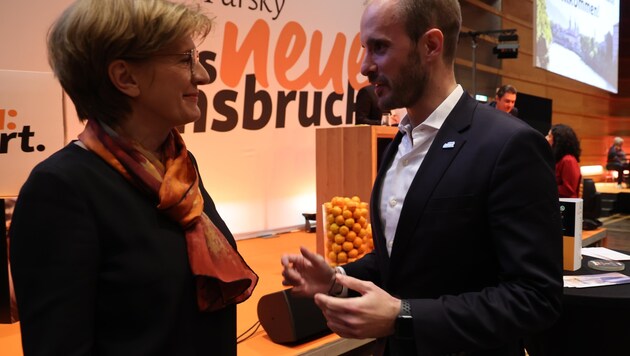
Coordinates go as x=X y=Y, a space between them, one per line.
x=578 y=39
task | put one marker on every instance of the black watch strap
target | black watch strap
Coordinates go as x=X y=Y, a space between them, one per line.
x=403 y=329
x=405 y=308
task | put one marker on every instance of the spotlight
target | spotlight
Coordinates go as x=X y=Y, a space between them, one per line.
x=507 y=46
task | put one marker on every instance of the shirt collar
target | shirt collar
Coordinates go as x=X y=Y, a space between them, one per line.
x=438 y=116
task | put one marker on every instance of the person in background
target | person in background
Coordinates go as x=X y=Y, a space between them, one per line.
x=116 y=246
x=505 y=100
x=566 y=151
x=464 y=210
x=397 y=115
x=367 y=111
x=617 y=160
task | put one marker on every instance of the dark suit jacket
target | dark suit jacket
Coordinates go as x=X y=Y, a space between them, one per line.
x=478 y=248
x=98 y=270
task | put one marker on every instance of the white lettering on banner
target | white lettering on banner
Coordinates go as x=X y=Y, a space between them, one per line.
x=260 y=5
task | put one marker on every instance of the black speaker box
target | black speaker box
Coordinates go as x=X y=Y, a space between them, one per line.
x=288 y=319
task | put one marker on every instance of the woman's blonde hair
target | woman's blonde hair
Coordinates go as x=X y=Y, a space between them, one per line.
x=90 y=34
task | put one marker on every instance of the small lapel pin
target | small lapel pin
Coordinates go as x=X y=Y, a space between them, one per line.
x=449 y=144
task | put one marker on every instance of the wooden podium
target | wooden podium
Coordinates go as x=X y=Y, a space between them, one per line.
x=347 y=160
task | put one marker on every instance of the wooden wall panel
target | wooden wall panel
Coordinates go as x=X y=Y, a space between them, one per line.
x=592 y=126
x=619 y=127
x=620 y=106
x=523 y=69
x=596 y=105
x=593 y=151
x=522 y=9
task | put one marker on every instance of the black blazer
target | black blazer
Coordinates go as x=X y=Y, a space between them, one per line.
x=98 y=270
x=478 y=248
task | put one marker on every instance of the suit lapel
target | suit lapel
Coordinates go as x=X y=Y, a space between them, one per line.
x=375 y=213
x=448 y=142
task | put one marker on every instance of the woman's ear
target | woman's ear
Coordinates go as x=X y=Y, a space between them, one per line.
x=122 y=76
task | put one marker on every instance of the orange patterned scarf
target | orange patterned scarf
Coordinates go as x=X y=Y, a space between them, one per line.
x=222 y=276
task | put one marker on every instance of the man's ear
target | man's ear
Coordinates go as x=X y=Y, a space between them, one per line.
x=433 y=44
x=122 y=76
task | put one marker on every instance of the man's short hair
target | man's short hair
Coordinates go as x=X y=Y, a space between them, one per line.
x=507 y=88
x=618 y=141
x=418 y=16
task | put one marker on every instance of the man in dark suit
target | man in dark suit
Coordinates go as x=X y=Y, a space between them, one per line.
x=464 y=210
x=505 y=100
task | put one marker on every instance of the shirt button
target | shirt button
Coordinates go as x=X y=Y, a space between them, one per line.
x=405 y=162
x=390 y=244
x=393 y=203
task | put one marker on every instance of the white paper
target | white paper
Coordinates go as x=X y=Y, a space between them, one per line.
x=595 y=280
x=604 y=253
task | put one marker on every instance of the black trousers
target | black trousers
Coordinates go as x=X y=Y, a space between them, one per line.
x=619 y=167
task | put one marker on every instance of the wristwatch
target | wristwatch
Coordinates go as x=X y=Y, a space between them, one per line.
x=403 y=329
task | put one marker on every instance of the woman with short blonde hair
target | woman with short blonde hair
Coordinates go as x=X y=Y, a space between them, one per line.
x=116 y=246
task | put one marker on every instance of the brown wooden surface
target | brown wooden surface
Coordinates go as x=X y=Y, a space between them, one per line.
x=611 y=188
x=597 y=237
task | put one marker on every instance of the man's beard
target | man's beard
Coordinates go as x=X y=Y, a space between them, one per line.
x=408 y=86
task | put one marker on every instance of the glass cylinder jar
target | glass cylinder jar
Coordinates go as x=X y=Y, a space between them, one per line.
x=347 y=233
x=385 y=119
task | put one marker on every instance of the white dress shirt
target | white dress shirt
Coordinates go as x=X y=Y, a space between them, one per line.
x=411 y=152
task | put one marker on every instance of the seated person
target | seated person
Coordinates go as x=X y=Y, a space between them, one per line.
x=566 y=152
x=617 y=160
x=505 y=100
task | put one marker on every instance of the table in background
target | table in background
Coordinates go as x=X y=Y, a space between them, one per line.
x=594 y=321
x=597 y=237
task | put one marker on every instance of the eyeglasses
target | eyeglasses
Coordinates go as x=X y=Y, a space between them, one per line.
x=192 y=58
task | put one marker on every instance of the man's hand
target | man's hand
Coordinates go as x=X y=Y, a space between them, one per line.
x=371 y=315
x=307 y=273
